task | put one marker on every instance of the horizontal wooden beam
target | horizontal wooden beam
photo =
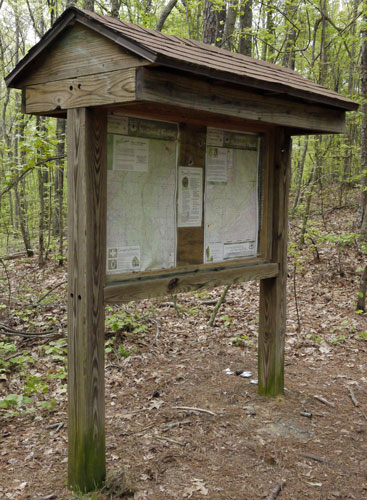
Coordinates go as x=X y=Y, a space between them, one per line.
x=178 y=90
x=84 y=91
x=178 y=282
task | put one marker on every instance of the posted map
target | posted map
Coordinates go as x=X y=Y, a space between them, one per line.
x=141 y=196
x=231 y=196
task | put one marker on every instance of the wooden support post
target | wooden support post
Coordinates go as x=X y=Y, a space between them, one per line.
x=273 y=290
x=87 y=171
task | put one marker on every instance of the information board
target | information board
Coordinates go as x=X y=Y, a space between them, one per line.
x=231 y=209
x=141 y=194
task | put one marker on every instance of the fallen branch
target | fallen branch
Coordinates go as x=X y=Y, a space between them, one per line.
x=189 y=408
x=219 y=303
x=278 y=488
x=15 y=255
x=318 y=459
x=162 y=438
x=6 y=330
x=324 y=401
x=353 y=397
x=47 y=293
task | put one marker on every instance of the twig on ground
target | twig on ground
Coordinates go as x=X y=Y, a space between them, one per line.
x=189 y=408
x=275 y=493
x=57 y=427
x=219 y=303
x=353 y=397
x=325 y=401
x=176 y=424
x=162 y=438
x=47 y=293
x=321 y=460
x=209 y=302
x=156 y=323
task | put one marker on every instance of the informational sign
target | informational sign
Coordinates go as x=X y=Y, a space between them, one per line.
x=130 y=153
x=231 y=196
x=141 y=195
x=190 y=197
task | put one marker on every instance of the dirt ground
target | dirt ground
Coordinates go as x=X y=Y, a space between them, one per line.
x=179 y=426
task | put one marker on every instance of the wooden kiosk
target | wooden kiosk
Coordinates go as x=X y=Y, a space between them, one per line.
x=178 y=179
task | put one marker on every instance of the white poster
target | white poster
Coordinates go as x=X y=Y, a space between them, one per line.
x=231 y=200
x=190 y=196
x=123 y=259
x=217 y=160
x=130 y=153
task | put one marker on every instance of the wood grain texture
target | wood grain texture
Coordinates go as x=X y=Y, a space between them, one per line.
x=182 y=91
x=79 y=51
x=87 y=170
x=96 y=90
x=273 y=291
x=193 y=116
x=179 y=282
x=267 y=159
x=190 y=240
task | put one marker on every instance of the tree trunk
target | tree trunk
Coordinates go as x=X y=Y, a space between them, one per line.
x=164 y=14
x=115 y=8
x=58 y=225
x=88 y=5
x=268 y=44
x=289 y=56
x=19 y=200
x=230 y=25
x=214 y=20
x=361 y=303
x=300 y=176
x=42 y=174
x=363 y=199
x=245 y=45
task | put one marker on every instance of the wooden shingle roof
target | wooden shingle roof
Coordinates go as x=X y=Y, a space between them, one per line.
x=190 y=56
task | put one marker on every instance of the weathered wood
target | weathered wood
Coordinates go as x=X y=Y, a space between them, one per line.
x=87 y=168
x=185 y=115
x=273 y=291
x=190 y=240
x=179 y=282
x=266 y=201
x=94 y=90
x=183 y=91
x=79 y=52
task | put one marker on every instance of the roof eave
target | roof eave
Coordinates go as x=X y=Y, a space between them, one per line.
x=257 y=84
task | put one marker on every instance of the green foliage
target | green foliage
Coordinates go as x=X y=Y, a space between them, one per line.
x=125 y=353
x=123 y=321
x=57 y=349
x=227 y=321
x=14 y=400
x=6 y=349
x=314 y=337
x=241 y=341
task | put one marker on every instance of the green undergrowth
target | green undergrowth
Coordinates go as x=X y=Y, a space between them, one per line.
x=30 y=377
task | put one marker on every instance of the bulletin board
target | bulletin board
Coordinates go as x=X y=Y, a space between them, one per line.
x=150 y=195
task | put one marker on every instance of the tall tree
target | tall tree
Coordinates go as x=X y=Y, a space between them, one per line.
x=363 y=199
x=213 y=22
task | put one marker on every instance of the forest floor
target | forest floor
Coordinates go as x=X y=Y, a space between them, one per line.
x=237 y=445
